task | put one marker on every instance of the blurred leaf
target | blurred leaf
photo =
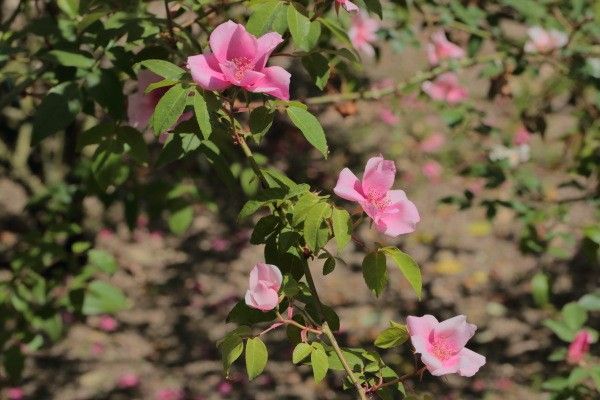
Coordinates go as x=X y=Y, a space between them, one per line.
x=14 y=362
x=409 y=268
x=310 y=128
x=69 y=7
x=574 y=315
x=256 y=357
x=103 y=298
x=560 y=329
x=375 y=271
x=266 y=17
x=261 y=120
x=57 y=110
x=181 y=219
x=103 y=260
x=590 y=302
x=134 y=139
x=318 y=68
x=540 y=289
x=69 y=59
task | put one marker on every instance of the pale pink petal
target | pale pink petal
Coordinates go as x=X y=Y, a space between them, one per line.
x=230 y=40
x=432 y=56
x=456 y=95
x=435 y=91
x=433 y=143
x=431 y=362
x=399 y=217
x=349 y=6
x=276 y=82
x=270 y=274
x=206 y=72
x=139 y=110
x=455 y=330
x=265 y=46
x=469 y=362
x=145 y=78
x=449 y=366
x=348 y=186
x=250 y=300
x=246 y=79
x=264 y=298
x=378 y=177
x=421 y=326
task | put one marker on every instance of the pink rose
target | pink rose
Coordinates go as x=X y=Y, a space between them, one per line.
x=140 y=105
x=579 y=347
x=346 y=4
x=265 y=282
x=363 y=32
x=432 y=170
x=522 y=136
x=391 y=211
x=15 y=393
x=108 y=323
x=440 y=48
x=128 y=380
x=433 y=143
x=544 y=41
x=445 y=88
x=388 y=116
x=442 y=345
x=239 y=58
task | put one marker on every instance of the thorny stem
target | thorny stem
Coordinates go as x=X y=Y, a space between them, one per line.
x=296 y=324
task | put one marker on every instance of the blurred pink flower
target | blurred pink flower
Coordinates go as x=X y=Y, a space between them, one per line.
x=224 y=388
x=579 y=347
x=387 y=115
x=440 y=48
x=346 y=4
x=363 y=32
x=108 y=323
x=391 y=210
x=15 y=393
x=265 y=281
x=544 y=41
x=445 y=88
x=432 y=143
x=105 y=234
x=220 y=244
x=442 y=345
x=128 y=380
x=432 y=171
x=239 y=58
x=522 y=136
x=169 y=394
x=97 y=348
x=476 y=186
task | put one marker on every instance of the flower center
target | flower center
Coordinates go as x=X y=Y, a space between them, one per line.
x=241 y=65
x=378 y=199
x=442 y=350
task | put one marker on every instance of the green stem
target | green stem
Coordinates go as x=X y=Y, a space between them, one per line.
x=420 y=77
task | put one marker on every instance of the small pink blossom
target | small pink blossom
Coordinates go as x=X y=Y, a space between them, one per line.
x=388 y=116
x=346 y=4
x=239 y=58
x=128 y=380
x=363 y=32
x=442 y=345
x=433 y=143
x=391 y=211
x=97 y=348
x=579 y=347
x=15 y=393
x=108 y=323
x=544 y=41
x=169 y=394
x=445 y=88
x=220 y=244
x=224 y=388
x=265 y=282
x=140 y=105
x=522 y=136
x=105 y=234
x=432 y=170
x=440 y=48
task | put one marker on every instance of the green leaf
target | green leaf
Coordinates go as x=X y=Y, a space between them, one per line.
x=312 y=225
x=334 y=27
x=268 y=16
x=103 y=260
x=57 y=110
x=329 y=266
x=409 y=268
x=375 y=271
x=107 y=90
x=107 y=164
x=14 y=362
x=320 y=363
x=574 y=315
x=342 y=227
x=103 y=298
x=310 y=128
x=301 y=351
x=181 y=219
x=318 y=68
x=134 y=139
x=375 y=7
x=178 y=146
x=202 y=115
x=68 y=59
x=69 y=7
x=231 y=349
x=164 y=68
x=590 y=302
x=393 y=336
x=219 y=163
x=299 y=26
x=169 y=109
x=261 y=120
x=560 y=329
x=263 y=229
x=256 y=357
x=540 y=289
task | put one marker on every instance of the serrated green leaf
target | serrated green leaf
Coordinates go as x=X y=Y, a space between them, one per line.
x=310 y=128
x=202 y=115
x=169 y=109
